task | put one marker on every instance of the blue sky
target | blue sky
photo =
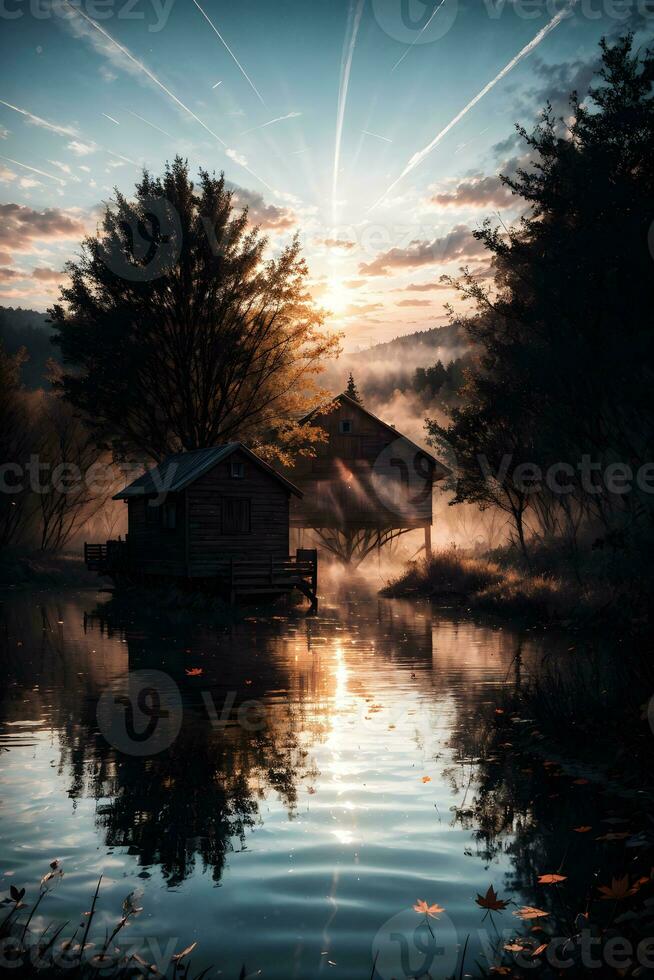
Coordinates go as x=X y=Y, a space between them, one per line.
x=110 y=86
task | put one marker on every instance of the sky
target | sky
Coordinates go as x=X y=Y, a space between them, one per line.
x=376 y=129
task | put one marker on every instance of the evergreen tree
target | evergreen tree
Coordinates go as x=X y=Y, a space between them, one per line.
x=352 y=391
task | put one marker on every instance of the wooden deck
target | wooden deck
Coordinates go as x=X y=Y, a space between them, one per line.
x=238 y=577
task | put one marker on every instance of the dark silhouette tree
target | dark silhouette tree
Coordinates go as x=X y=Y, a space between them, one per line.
x=178 y=333
x=564 y=336
x=352 y=391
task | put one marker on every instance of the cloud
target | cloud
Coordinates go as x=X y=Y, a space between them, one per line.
x=7 y=275
x=5 y=258
x=81 y=149
x=269 y=217
x=476 y=192
x=414 y=302
x=354 y=283
x=46 y=275
x=361 y=309
x=423 y=287
x=458 y=244
x=343 y=243
x=4 y=133
x=236 y=157
x=42 y=123
x=21 y=227
x=6 y=175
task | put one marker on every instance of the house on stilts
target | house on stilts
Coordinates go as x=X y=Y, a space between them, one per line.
x=366 y=485
x=215 y=518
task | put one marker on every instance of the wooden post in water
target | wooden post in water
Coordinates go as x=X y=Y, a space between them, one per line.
x=428 y=551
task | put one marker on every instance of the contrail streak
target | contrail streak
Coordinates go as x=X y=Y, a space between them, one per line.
x=418 y=36
x=161 y=85
x=289 y=115
x=528 y=48
x=353 y=22
x=152 y=125
x=41 y=173
x=111 y=118
x=38 y=121
x=229 y=50
x=366 y=132
x=146 y=71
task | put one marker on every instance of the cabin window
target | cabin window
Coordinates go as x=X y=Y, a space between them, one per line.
x=345 y=426
x=237 y=471
x=236 y=515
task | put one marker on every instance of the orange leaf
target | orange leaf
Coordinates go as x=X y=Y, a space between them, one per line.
x=619 y=889
x=552 y=879
x=582 y=830
x=527 y=912
x=426 y=779
x=194 y=671
x=433 y=911
x=490 y=901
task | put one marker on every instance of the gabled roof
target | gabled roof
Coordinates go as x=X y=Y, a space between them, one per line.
x=441 y=470
x=181 y=469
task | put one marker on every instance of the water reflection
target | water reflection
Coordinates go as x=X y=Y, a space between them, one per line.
x=306 y=778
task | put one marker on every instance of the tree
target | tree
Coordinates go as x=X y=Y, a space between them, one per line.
x=178 y=333
x=564 y=338
x=352 y=391
x=16 y=439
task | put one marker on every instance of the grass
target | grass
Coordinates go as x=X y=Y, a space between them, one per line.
x=454 y=578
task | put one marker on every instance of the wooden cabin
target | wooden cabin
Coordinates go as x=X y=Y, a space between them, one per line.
x=216 y=515
x=366 y=485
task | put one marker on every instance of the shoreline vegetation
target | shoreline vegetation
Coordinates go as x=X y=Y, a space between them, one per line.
x=500 y=585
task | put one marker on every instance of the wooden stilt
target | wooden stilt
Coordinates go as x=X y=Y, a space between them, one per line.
x=428 y=551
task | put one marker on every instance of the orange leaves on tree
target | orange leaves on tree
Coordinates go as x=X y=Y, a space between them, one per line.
x=432 y=911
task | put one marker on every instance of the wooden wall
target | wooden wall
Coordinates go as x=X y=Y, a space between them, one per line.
x=353 y=482
x=156 y=550
x=208 y=547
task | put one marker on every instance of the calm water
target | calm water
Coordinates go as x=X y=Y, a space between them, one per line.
x=318 y=780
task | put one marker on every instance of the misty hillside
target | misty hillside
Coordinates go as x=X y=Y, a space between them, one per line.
x=31 y=330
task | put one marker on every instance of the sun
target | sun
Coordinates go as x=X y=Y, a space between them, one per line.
x=336 y=295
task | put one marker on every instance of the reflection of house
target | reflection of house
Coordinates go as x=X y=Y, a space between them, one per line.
x=366 y=485
x=218 y=514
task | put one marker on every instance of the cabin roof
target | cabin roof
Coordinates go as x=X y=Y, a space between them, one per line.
x=181 y=469
x=441 y=470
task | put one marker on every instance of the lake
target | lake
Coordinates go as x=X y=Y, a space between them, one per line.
x=282 y=790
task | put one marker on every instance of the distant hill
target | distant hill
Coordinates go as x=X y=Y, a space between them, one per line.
x=29 y=329
x=446 y=338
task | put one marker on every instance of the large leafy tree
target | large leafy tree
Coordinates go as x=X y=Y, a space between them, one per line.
x=178 y=332
x=564 y=337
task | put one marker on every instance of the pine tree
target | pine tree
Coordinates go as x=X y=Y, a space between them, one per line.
x=352 y=391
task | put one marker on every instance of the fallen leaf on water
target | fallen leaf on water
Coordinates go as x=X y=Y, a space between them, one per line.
x=490 y=901
x=614 y=835
x=580 y=782
x=514 y=948
x=619 y=889
x=540 y=949
x=582 y=830
x=528 y=912
x=552 y=879
x=426 y=779
x=194 y=671
x=433 y=911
